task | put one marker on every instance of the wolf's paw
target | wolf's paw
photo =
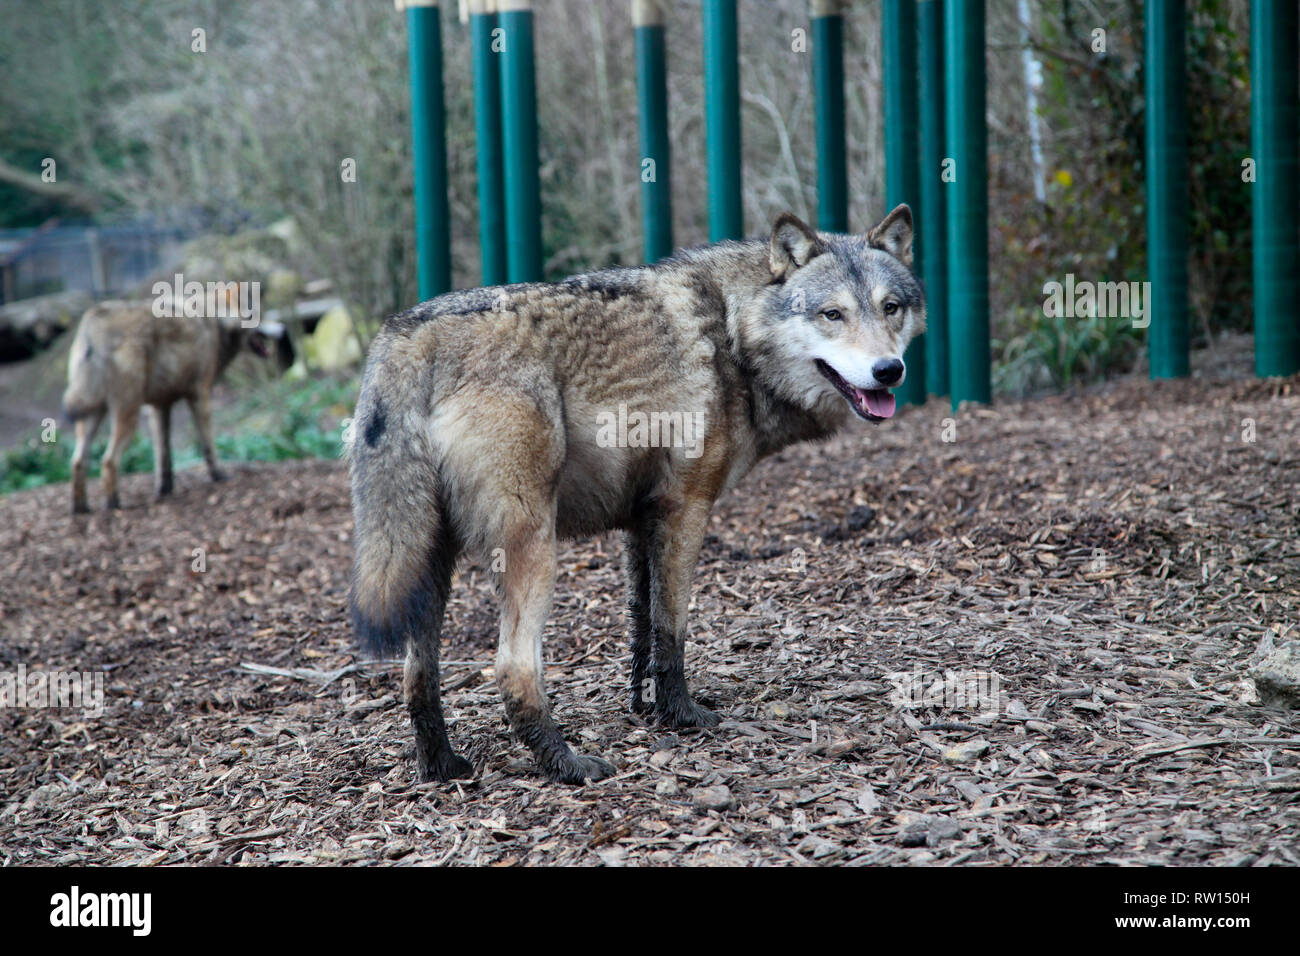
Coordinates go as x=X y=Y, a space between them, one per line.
x=683 y=712
x=446 y=766
x=576 y=769
x=637 y=704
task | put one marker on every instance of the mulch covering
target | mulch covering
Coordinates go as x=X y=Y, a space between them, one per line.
x=1028 y=644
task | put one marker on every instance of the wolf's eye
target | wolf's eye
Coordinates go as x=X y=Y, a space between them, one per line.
x=833 y=314
x=891 y=308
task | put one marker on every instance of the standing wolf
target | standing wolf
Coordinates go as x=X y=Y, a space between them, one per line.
x=483 y=427
x=125 y=356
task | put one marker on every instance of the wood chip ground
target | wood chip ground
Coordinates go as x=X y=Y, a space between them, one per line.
x=1102 y=567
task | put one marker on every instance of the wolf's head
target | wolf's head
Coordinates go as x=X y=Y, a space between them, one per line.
x=838 y=315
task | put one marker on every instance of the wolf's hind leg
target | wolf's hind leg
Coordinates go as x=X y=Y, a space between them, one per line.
x=637 y=567
x=527 y=586
x=437 y=761
x=160 y=423
x=125 y=417
x=676 y=548
x=86 y=428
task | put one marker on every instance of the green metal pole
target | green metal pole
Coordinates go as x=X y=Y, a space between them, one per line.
x=1275 y=196
x=428 y=127
x=487 y=128
x=968 y=203
x=519 y=123
x=933 y=265
x=1167 y=192
x=898 y=20
x=828 y=83
x=652 y=103
x=722 y=119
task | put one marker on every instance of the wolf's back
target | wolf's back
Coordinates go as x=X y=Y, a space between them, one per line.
x=402 y=539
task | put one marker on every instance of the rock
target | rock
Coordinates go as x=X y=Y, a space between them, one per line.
x=1016 y=710
x=29 y=325
x=867 y=800
x=713 y=798
x=667 y=787
x=966 y=752
x=914 y=834
x=818 y=847
x=1277 y=676
x=779 y=709
x=43 y=795
x=942 y=829
x=967 y=789
x=860 y=518
x=613 y=856
x=332 y=345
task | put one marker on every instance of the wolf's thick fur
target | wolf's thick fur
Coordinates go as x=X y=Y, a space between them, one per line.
x=479 y=430
x=124 y=357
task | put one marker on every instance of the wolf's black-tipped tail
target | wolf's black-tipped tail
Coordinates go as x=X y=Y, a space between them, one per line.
x=405 y=548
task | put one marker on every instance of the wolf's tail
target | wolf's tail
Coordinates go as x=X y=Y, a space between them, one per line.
x=87 y=390
x=405 y=548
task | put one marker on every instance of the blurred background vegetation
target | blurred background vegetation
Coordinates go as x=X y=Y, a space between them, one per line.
x=253 y=132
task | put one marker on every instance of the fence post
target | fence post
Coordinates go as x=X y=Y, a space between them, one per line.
x=1167 y=193
x=519 y=122
x=1275 y=196
x=652 y=102
x=898 y=26
x=487 y=134
x=722 y=119
x=968 y=203
x=429 y=146
x=828 y=84
x=934 y=240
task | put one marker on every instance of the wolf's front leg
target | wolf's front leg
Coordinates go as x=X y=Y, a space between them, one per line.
x=677 y=547
x=527 y=586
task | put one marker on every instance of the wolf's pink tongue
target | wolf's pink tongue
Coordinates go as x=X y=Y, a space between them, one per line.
x=880 y=402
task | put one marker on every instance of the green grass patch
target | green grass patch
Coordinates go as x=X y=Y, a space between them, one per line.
x=276 y=420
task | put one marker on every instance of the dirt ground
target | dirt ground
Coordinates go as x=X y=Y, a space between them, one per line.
x=1094 y=573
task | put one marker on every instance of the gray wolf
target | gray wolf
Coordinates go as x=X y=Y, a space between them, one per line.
x=124 y=356
x=483 y=427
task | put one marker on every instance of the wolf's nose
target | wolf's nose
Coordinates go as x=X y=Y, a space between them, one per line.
x=888 y=371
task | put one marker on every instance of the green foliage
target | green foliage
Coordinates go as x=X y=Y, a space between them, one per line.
x=1058 y=351
x=278 y=421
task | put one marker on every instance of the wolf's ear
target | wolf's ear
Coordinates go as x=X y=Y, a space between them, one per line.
x=794 y=245
x=893 y=234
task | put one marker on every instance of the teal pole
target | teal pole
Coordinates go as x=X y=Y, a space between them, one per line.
x=1167 y=192
x=828 y=84
x=722 y=119
x=968 y=203
x=652 y=103
x=933 y=265
x=519 y=124
x=898 y=19
x=429 y=147
x=487 y=128
x=1275 y=195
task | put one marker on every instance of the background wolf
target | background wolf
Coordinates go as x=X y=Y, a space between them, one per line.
x=477 y=431
x=124 y=356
